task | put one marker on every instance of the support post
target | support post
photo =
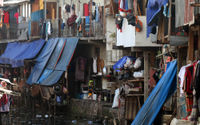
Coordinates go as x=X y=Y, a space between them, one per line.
x=146 y=73
x=45 y=10
x=57 y=18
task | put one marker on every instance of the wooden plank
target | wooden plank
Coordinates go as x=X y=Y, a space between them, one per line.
x=190 y=54
x=144 y=7
x=136 y=80
x=104 y=19
x=178 y=88
x=90 y=9
x=146 y=73
x=129 y=95
x=198 y=37
x=169 y=19
x=195 y=4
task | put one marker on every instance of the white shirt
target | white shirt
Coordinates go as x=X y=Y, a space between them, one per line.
x=181 y=76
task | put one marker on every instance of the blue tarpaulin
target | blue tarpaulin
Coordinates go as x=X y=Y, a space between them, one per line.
x=57 y=63
x=163 y=90
x=120 y=64
x=42 y=60
x=17 y=52
x=37 y=16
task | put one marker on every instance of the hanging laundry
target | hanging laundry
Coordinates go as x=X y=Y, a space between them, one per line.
x=86 y=9
x=184 y=12
x=41 y=4
x=1 y=21
x=67 y=8
x=80 y=69
x=123 y=6
x=119 y=22
x=94 y=64
x=153 y=9
x=181 y=76
x=126 y=38
x=49 y=28
x=97 y=14
x=166 y=11
x=6 y=17
x=16 y=16
x=71 y=20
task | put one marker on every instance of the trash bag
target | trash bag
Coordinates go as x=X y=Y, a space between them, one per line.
x=116 y=99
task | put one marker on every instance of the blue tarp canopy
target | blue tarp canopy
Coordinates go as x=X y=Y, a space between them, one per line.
x=163 y=90
x=17 y=52
x=53 y=61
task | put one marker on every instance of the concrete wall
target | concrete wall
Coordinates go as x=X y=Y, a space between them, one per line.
x=112 y=55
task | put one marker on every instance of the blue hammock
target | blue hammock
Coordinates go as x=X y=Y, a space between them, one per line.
x=163 y=90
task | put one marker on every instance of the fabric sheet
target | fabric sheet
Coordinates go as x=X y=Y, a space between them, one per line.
x=163 y=90
x=153 y=9
x=53 y=61
x=181 y=76
x=179 y=10
x=184 y=12
x=86 y=9
x=42 y=60
x=17 y=52
x=126 y=38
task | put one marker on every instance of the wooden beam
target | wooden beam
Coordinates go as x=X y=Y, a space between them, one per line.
x=104 y=18
x=198 y=37
x=90 y=8
x=179 y=61
x=195 y=4
x=146 y=73
x=169 y=19
x=190 y=54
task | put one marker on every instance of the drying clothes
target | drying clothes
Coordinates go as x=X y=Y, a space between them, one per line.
x=179 y=12
x=131 y=19
x=5 y=103
x=6 y=17
x=87 y=20
x=119 y=22
x=49 y=28
x=126 y=38
x=181 y=76
x=97 y=14
x=95 y=65
x=166 y=11
x=189 y=103
x=80 y=69
x=86 y=9
x=184 y=12
x=1 y=21
x=123 y=6
x=16 y=16
x=71 y=20
x=197 y=81
x=194 y=113
x=153 y=9
x=188 y=80
x=189 y=12
x=67 y=8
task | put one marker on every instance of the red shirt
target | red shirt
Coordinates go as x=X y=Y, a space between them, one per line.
x=6 y=17
x=16 y=16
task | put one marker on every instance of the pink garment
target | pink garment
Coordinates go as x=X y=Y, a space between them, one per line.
x=80 y=69
x=16 y=16
x=189 y=12
x=86 y=9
